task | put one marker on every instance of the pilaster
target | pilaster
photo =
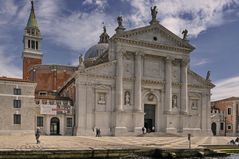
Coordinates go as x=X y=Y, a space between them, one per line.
x=184 y=86
x=138 y=85
x=119 y=82
x=168 y=85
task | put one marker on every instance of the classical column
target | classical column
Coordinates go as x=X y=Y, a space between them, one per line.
x=204 y=115
x=168 y=85
x=184 y=86
x=138 y=78
x=119 y=82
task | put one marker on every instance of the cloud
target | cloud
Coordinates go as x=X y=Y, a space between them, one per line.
x=176 y=15
x=199 y=62
x=226 y=88
x=7 y=67
x=100 y=4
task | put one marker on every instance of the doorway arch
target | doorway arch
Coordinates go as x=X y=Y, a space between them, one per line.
x=214 y=128
x=55 y=126
x=151 y=110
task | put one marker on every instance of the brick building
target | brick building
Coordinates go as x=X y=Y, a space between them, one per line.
x=228 y=108
x=55 y=114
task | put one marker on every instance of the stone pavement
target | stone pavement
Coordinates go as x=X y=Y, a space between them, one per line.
x=84 y=143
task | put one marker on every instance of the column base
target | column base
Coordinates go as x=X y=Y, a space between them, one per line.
x=120 y=131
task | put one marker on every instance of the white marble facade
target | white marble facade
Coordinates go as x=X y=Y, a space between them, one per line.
x=146 y=67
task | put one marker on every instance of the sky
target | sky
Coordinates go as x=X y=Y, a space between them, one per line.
x=70 y=27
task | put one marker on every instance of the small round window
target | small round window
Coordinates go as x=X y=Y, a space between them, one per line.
x=155 y=38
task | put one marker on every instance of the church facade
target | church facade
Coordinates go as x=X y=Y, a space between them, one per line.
x=140 y=78
x=136 y=78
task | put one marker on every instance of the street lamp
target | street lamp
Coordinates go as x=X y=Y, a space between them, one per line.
x=225 y=119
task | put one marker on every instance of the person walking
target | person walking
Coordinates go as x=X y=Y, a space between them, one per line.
x=37 y=135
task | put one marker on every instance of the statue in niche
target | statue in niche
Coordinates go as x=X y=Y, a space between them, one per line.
x=194 y=105
x=101 y=99
x=127 y=98
x=174 y=101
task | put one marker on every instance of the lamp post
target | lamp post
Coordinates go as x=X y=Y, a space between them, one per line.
x=225 y=119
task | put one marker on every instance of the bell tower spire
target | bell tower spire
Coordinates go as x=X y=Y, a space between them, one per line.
x=31 y=54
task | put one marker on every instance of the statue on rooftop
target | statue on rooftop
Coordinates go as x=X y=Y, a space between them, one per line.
x=120 y=20
x=154 y=13
x=208 y=75
x=185 y=34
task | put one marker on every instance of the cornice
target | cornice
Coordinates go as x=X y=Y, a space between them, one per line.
x=204 y=81
x=151 y=45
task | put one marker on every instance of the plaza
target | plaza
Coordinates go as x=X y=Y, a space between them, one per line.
x=26 y=142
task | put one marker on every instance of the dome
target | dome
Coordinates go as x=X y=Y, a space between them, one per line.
x=96 y=50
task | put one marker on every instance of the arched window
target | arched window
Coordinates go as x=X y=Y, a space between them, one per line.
x=29 y=43
x=36 y=45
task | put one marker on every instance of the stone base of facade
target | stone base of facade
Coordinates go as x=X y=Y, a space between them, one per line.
x=120 y=131
x=17 y=132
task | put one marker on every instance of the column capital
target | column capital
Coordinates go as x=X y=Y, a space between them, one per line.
x=185 y=61
x=139 y=53
x=169 y=58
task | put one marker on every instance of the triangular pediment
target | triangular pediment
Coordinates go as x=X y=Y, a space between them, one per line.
x=105 y=69
x=155 y=34
x=198 y=81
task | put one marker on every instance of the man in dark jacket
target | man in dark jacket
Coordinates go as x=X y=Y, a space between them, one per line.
x=37 y=135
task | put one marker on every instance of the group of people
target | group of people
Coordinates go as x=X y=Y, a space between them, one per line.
x=235 y=142
x=144 y=130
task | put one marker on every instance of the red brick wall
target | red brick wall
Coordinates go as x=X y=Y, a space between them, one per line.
x=27 y=64
x=49 y=80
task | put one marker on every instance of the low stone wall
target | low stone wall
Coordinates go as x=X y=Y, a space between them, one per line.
x=109 y=153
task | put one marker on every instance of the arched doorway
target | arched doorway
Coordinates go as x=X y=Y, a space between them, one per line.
x=214 y=128
x=149 y=117
x=55 y=126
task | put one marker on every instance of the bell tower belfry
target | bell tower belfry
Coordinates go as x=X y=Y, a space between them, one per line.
x=31 y=54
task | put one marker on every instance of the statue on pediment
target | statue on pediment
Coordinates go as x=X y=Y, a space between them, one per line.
x=120 y=20
x=185 y=34
x=208 y=75
x=154 y=13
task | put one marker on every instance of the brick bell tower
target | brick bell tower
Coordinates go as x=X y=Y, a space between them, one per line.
x=31 y=54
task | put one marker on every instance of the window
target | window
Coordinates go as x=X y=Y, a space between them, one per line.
x=40 y=121
x=33 y=44
x=229 y=127
x=16 y=103
x=221 y=126
x=229 y=111
x=51 y=102
x=17 y=119
x=17 y=91
x=37 y=102
x=69 y=122
x=42 y=93
x=44 y=101
x=37 y=45
x=29 y=44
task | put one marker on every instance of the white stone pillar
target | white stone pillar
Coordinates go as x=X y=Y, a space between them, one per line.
x=119 y=82
x=168 y=85
x=184 y=86
x=138 y=87
x=204 y=115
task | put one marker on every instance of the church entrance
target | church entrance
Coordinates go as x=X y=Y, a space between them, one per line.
x=149 y=117
x=55 y=126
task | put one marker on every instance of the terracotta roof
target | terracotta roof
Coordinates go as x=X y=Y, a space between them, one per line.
x=227 y=99
x=3 y=78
